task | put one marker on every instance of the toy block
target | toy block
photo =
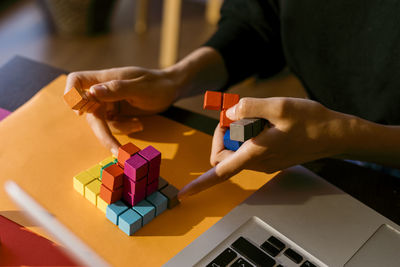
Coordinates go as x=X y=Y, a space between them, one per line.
x=107 y=161
x=129 y=222
x=258 y=126
x=101 y=204
x=110 y=196
x=125 y=152
x=136 y=167
x=212 y=100
x=138 y=187
x=153 y=156
x=241 y=130
x=81 y=180
x=171 y=192
x=229 y=100
x=113 y=176
x=94 y=107
x=114 y=210
x=92 y=190
x=231 y=144
x=151 y=188
x=105 y=166
x=146 y=210
x=75 y=98
x=161 y=183
x=159 y=201
x=87 y=106
x=224 y=121
x=95 y=171
x=132 y=200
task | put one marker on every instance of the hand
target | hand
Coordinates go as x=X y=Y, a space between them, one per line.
x=300 y=130
x=124 y=93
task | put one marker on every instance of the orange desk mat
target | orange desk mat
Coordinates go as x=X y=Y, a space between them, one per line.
x=44 y=144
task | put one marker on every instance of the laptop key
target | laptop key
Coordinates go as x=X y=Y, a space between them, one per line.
x=241 y=263
x=270 y=249
x=223 y=259
x=307 y=264
x=277 y=243
x=252 y=253
x=293 y=255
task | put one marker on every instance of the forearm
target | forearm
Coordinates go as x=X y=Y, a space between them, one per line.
x=201 y=70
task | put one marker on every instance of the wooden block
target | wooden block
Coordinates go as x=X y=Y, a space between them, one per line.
x=87 y=106
x=161 y=183
x=231 y=144
x=151 y=188
x=114 y=210
x=101 y=204
x=224 y=121
x=258 y=126
x=130 y=221
x=229 y=100
x=110 y=196
x=136 y=167
x=153 y=156
x=132 y=200
x=125 y=152
x=159 y=201
x=95 y=171
x=241 y=130
x=92 y=190
x=94 y=107
x=112 y=176
x=105 y=166
x=146 y=210
x=133 y=188
x=75 y=98
x=171 y=192
x=106 y=161
x=81 y=180
x=212 y=100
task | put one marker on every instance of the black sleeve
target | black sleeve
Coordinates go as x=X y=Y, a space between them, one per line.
x=248 y=39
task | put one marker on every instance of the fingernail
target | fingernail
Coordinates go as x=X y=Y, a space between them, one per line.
x=114 y=151
x=98 y=90
x=230 y=113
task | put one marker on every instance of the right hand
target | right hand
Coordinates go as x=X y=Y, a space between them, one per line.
x=124 y=94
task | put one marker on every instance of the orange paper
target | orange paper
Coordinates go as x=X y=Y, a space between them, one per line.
x=43 y=144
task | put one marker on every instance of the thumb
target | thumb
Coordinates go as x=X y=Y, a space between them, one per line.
x=111 y=91
x=267 y=108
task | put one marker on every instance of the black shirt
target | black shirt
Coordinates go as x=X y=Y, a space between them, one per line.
x=346 y=53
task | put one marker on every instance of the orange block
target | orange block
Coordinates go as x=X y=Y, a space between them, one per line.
x=125 y=152
x=110 y=196
x=224 y=121
x=112 y=176
x=229 y=100
x=212 y=100
x=75 y=99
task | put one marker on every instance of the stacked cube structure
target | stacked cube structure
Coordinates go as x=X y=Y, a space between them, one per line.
x=128 y=189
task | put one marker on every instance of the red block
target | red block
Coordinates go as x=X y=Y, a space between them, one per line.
x=224 y=121
x=132 y=200
x=151 y=188
x=125 y=152
x=113 y=176
x=110 y=196
x=229 y=100
x=138 y=187
x=212 y=100
x=153 y=156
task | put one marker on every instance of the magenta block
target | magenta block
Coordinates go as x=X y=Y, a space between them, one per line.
x=153 y=156
x=136 y=167
x=4 y=113
x=132 y=200
x=137 y=187
x=151 y=188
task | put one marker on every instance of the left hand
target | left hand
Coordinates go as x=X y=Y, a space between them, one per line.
x=300 y=130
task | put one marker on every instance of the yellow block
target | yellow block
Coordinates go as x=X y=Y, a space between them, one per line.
x=101 y=204
x=81 y=180
x=92 y=190
x=95 y=171
x=104 y=162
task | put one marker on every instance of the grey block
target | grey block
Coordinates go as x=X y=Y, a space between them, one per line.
x=258 y=126
x=241 y=130
x=171 y=192
x=161 y=183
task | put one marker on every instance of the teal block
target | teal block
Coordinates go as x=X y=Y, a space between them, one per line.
x=114 y=210
x=146 y=210
x=159 y=201
x=116 y=161
x=130 y=221
x=105 y=166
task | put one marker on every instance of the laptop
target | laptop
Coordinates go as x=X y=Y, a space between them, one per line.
x=297 y=219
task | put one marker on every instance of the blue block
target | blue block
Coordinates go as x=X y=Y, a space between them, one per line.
x=130 y=222
x=146 y=210
x=231 y=144
x=114 y=210
x=105 y=166
x=159 y=201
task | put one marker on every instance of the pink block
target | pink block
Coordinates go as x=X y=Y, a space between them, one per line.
x=136 y=167
x=4 y=113
x=151 y=188
x=135 y=187
x=132 y=200
x=153 y=156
